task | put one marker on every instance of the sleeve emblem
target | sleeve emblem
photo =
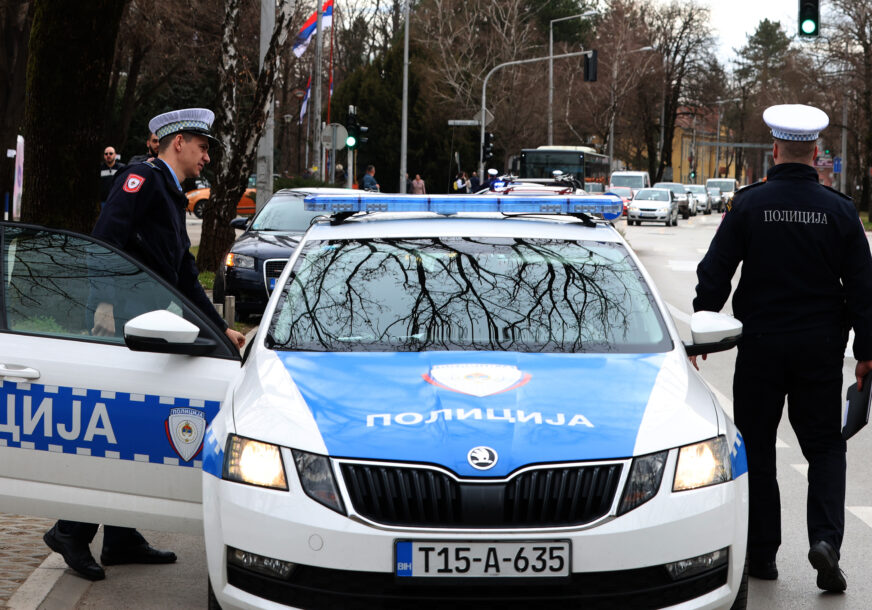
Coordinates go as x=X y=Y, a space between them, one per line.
x=133 y=183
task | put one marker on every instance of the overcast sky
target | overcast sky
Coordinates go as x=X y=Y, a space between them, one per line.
x=734 y=20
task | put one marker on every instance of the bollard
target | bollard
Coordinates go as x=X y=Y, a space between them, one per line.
x=230 y=310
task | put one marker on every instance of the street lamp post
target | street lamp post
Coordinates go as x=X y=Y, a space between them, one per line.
x=613 y=109
x=482 y=116
x=590 y=13
x=720 y=103
x=404 y=129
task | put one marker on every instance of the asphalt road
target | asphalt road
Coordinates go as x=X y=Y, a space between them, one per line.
x=670 y=255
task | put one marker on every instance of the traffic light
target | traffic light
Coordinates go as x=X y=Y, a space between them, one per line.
x=353 y=128
x=590 y=67
x=809 y=18
x=361 y=134
x=487 y=149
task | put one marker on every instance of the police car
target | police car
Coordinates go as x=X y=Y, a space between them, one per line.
x=450 y=400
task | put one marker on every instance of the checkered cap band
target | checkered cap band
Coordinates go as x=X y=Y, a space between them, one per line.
x=182 y=126
x=795 y=137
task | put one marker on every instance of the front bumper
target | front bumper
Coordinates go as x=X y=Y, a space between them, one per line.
x=651 y=215
x=247 y=285
x=349 y=562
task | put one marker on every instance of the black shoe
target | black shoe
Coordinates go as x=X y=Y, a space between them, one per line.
x=764 y=570
x=138 y=553
x=825 y=560
x=75 y=553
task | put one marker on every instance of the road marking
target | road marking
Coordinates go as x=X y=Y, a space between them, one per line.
x=849 y=350
x=683 y=265
x=864 y=513
x=678 y=314
x=801 y=469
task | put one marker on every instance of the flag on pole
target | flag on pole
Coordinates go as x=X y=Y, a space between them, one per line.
x=308 y=29
x=306 y=99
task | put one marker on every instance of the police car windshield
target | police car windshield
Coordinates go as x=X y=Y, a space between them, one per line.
x=284 y=213
x=525 y=295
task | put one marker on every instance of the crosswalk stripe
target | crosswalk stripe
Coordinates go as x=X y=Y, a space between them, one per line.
x=864 y=513
x=801 y=469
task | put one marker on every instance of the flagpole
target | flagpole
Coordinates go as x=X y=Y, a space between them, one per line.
x=329 y=100
x=317 y=97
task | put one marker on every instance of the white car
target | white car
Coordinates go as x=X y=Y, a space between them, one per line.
x=440 y=408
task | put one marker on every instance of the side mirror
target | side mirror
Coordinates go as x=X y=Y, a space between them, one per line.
x=164 y=332
x=712 y=332
x=240 y=222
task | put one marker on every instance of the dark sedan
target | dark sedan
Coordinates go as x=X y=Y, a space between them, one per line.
x=258 y=256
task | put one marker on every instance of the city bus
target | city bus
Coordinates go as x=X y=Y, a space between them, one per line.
x=583 y=162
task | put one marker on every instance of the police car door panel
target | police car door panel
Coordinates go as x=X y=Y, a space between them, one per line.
x=90 y=430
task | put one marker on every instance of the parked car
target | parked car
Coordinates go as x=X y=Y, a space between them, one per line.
x=633 y=179
x=716 y=197
x=200 y=197
x=653 y=205
x=700 y=194
x=686 y=203
x=257 y=257
x=625 y=193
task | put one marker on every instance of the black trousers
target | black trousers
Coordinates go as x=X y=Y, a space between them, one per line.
x=113 y=537
x=806 y=368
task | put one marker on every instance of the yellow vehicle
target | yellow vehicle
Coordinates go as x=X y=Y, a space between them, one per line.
x=200 y=197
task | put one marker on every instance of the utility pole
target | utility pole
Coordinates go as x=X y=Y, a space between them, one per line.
x=404 y=129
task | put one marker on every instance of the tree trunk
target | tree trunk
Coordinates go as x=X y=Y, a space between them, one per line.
x=15 y=18
x=238 y=134
x=69 y=59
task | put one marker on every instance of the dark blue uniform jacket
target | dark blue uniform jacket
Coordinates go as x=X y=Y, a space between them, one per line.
x=805 y=259
x=145 y=216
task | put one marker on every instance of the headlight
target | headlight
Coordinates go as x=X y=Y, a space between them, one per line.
x=254 y=463
x=316 y=477
x=240 y=261
x=644 y=480
x=633 y=208
x=702 y=464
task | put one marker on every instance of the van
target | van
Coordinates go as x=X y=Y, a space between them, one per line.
x=635 y=180
x=728 y=187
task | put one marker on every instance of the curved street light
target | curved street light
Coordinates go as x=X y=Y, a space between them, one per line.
x=583 y=15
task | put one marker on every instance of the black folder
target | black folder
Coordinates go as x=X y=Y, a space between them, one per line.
x=857 y=409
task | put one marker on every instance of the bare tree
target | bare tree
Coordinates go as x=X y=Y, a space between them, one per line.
x=238 y=128
x=15 y=18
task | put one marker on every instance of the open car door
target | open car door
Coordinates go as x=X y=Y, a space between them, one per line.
x=93 y=428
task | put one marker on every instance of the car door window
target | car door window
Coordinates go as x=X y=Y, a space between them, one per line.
x=54 y=280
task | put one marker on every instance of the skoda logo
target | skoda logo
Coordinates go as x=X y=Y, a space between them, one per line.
x=482 y=458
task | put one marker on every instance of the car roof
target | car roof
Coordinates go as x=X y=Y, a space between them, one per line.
x=652 y=188
x=469 y=224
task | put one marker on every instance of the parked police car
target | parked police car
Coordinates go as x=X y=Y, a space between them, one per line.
x=441 y=407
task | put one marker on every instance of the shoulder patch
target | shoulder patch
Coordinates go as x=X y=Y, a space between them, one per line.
x=839 y=193
x=133 y=183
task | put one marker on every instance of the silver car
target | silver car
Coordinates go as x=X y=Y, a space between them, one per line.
x=703 y=202
x=716 y=197
x=653 y=205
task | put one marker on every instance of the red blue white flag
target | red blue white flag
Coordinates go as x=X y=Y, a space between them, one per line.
x=306 y=99
x=309 y=28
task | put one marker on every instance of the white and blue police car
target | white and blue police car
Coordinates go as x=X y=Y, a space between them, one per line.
x=451 y=401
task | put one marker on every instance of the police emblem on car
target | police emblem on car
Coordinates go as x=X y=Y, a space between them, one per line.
x=185 y=429
x=482 y=458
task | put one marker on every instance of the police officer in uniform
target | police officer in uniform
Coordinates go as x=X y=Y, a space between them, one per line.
x=492 y=178
x=145 y=216
x=806 y=279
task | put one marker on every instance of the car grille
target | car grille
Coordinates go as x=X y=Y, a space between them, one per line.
x=422 y=497
x=272 y=269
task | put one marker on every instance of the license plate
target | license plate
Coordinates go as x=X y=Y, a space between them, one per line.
x=439 y=559
x=648 y=214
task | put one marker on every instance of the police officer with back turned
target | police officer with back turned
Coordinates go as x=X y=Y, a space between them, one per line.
x=145 y=216
x=806 y=280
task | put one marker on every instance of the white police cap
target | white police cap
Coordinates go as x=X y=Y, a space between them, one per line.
x=190 y=120
x=795 y=122
x=492 y=172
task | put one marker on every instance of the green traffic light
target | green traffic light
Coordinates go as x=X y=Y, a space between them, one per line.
x=350 y=141
x=808 y=26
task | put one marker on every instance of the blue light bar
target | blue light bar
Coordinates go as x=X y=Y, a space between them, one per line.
x=608 y=207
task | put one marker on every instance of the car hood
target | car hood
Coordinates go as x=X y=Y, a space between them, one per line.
x=435 y=407
x=266 y=244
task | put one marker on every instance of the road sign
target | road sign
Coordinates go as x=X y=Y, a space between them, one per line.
x=488 y=117
x=463 y=123
x=837 y=165
x=327 y=135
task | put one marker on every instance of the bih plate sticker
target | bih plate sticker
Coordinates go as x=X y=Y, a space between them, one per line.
x=185 y=430
x=133 y=183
